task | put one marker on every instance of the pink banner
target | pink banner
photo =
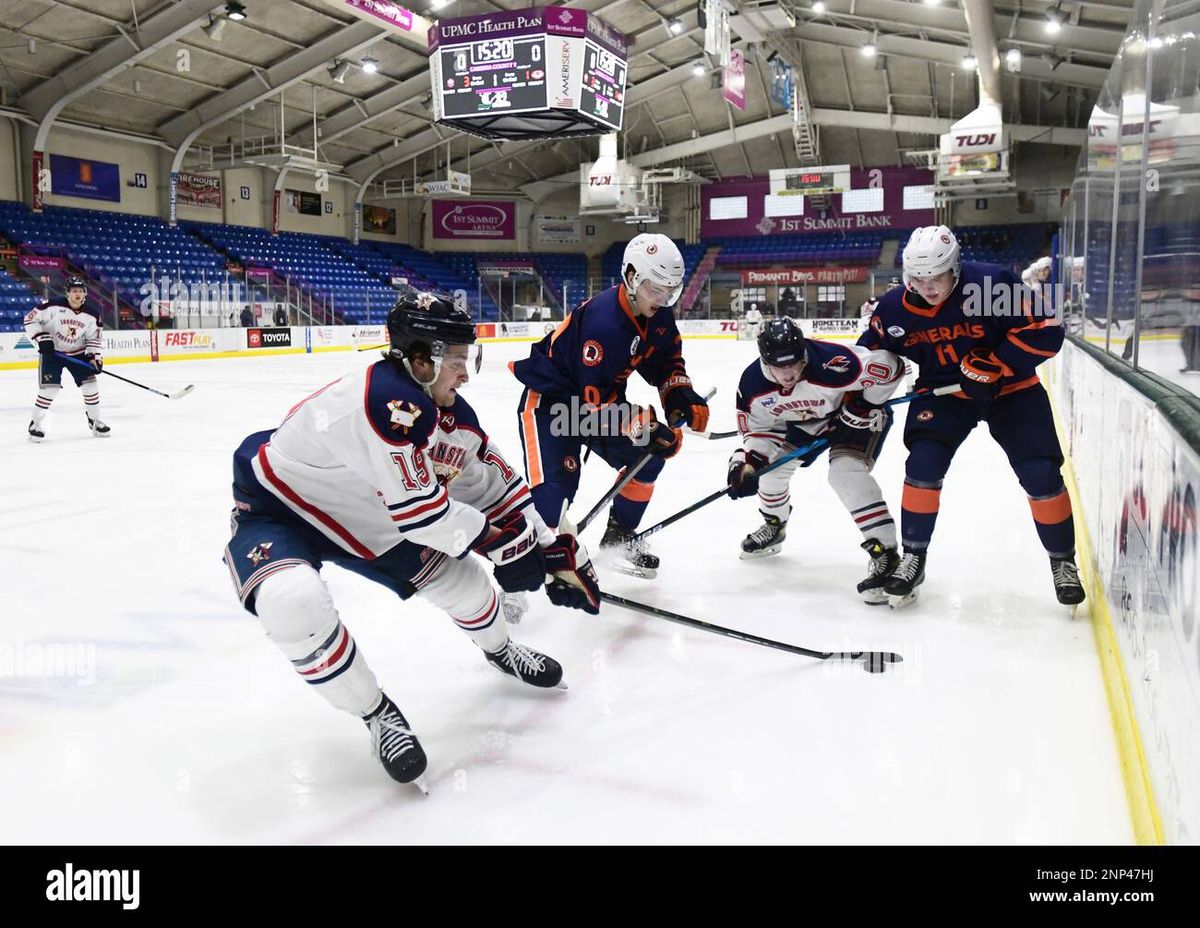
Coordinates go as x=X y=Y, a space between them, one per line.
x=474 y=219
x=735 y=79
x=40 y=262
x=816 y=275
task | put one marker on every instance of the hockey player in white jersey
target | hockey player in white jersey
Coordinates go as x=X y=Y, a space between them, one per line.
x=67 y=328
x=753 y=321
x=800 y=390
x=387 y=473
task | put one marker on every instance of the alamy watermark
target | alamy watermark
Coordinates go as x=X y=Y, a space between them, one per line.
x=578 y=419
x=1004 y=298
x=54 y=659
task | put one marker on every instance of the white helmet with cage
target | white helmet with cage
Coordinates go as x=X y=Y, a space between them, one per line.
x=931 y=250
x=653 y=257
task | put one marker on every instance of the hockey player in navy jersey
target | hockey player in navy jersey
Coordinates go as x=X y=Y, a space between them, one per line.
x=387 y=473
x=802 y=389
x=973 y=324
x=68 y=328
x=575 y=394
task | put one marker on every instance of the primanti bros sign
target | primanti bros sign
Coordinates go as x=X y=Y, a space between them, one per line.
x=811 y=275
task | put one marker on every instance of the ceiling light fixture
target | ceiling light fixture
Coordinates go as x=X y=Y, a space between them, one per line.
x=818 y=7
x=215 y=27
x=674 y=26
x=869 y=50
x=235 y=11
x=1012 y=60
x=698 y=69
x=339 y=70
x=1053 y=22
x=369 y=64
x=969 y=62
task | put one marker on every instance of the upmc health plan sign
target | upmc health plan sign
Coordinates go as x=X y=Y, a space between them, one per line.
x=474 y=219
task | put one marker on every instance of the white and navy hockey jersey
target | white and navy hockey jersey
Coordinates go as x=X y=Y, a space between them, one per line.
x=765 y=409
x=474 y=471
x=365 y=462
x=74 y=332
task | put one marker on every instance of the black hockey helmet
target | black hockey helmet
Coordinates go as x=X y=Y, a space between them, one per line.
x=74 y=280
x=425 y=324
x=781 y=342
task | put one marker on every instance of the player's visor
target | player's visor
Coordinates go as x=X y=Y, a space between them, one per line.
x=657 y=294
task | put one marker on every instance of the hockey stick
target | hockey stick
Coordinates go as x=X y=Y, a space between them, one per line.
x=873 y=661
x=819 y=443
x=630 y=473
x=179 y=394
x=713 y=436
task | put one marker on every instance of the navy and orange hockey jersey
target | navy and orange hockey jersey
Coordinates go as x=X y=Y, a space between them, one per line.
x=594 y=350
x=988 y=308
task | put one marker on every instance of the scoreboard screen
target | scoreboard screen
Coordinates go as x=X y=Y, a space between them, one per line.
x=603 y=94
x=561 y=68
x=812 y=181
x=505 y=75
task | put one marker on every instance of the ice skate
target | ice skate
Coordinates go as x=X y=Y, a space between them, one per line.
x=1067 y=587
x=395 y=745
x=883 y=562
x=901 y=585
x=632 y=557
x=765 y=540
x=527 y=665
x=99 y=429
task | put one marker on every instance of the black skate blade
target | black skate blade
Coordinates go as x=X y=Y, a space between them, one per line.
x=765 y=552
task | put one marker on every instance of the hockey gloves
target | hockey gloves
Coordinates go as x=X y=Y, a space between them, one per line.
x=742 y=479
x=96 y=361
x=681 y=402
x=980 y=373
x=658 y=438
x=575 y=585
x=46 y=347
x=512 y=545
x=855 y=420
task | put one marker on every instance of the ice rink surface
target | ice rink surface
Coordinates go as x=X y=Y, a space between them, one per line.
x=139 y=703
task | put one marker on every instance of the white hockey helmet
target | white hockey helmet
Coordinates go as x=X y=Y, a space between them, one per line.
x=655 y=258
x=930 y=251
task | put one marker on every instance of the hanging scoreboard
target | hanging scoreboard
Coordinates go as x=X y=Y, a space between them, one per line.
x=545 y=71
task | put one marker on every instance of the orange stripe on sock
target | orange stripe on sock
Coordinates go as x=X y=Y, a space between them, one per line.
x=920 y=499
x=532 y=451
x=637 y=491
x=1053 y=510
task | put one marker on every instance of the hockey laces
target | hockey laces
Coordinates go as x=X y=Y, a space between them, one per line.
x=910 y=564
x=392 y=736
x=522 y=659
x=764 y=532
x=1066 y=573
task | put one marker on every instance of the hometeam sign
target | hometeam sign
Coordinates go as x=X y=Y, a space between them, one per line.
x=474 y=219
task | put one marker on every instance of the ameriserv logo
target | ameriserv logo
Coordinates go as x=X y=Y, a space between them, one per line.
x=268 y=338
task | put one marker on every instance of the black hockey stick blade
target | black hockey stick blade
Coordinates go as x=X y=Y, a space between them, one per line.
x=873 y=661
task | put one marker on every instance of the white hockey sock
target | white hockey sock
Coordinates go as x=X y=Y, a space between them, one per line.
x=298 y=615
x=860 y=494
x=464 y=590
x=41 y=406
x=91 y=397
